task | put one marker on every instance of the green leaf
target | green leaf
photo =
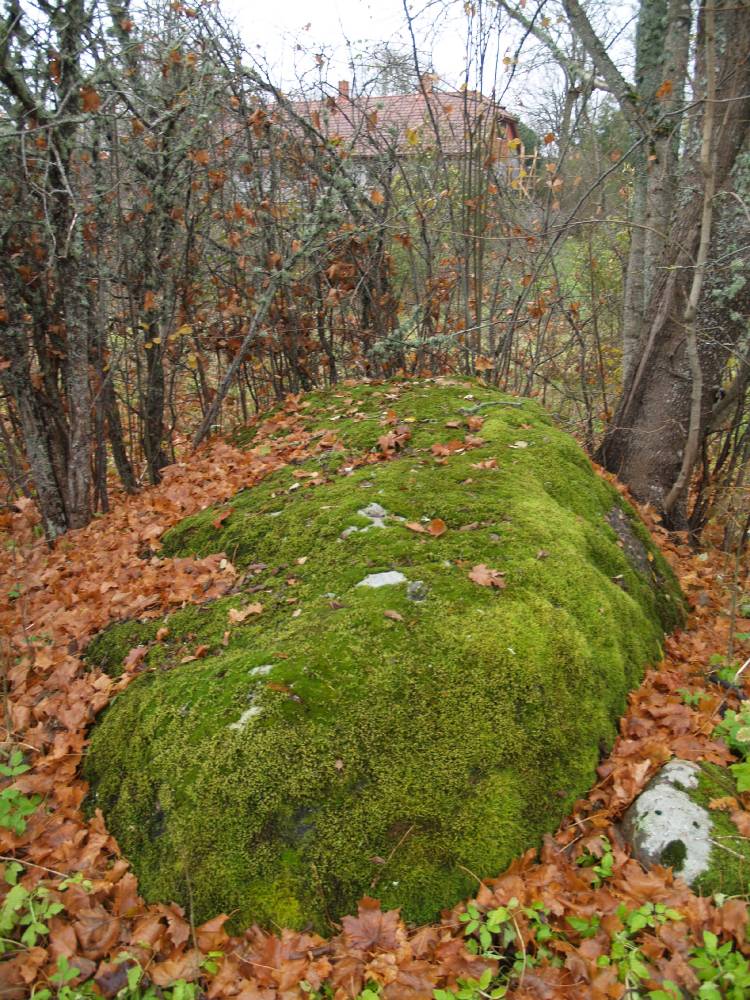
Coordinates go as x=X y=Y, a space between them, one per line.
x=741 y=773
x=12 y=870
x=710 y=942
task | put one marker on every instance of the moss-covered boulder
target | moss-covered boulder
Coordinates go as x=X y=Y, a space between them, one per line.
x=398 y=740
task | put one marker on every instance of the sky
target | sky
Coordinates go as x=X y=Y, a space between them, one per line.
x=286 y=35
x=336 y=27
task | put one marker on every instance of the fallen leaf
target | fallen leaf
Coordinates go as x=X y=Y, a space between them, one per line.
x=437 y=527
x=394 y=616
x=487 y=577
x=237 y=615
x=724 y=804
x=135 y=657
x=218 y=521
x=447 y=449
x=372 y=929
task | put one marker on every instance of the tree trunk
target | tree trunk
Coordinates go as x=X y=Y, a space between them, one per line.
x=645 y=442
x=17 y=382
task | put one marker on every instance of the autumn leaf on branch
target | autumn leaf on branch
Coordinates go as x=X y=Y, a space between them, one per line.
x=90 y=100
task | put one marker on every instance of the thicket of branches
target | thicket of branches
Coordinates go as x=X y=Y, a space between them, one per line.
x=182 y=243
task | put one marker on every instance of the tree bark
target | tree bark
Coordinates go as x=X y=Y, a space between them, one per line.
x=646 y=441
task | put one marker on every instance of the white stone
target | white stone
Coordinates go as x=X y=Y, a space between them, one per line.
x=382 y=579
x=247 y=715
x=262 y=670
x=664 y=814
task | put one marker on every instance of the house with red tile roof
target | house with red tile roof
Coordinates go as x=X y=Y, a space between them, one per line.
x=452 y=123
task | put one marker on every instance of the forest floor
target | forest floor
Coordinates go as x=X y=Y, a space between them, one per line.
x=577 y=919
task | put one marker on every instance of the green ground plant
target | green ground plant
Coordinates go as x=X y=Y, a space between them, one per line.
x=15 y=807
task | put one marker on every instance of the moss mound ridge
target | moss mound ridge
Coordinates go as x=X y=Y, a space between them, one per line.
x=325 y=749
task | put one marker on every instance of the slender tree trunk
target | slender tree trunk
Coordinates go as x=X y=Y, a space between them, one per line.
x=17 y=382
x=665 y=408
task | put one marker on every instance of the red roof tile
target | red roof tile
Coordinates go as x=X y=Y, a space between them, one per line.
x=406 y=123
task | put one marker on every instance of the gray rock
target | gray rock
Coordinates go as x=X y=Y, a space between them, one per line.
x=382 y=579
x=664 y=826
x=417 y=590
x=375 y=514
x=632 y=546
x=374 y=511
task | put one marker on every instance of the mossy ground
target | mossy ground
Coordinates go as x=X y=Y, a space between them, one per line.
x=400 y=758
x=729 y=871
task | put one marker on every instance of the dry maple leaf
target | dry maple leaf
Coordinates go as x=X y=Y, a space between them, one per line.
x=442 y=450
x=184 y=965
x=437 y=527
x=487 y=577
x=211 y=935
x=237 y=615
x=372 y=929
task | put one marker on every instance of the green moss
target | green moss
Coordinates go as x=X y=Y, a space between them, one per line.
x=674 y=855
x=109 y=649
x=328 y=750
x=729 y=871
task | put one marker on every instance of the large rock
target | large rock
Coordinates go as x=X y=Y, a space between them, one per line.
x=672 y=824
x=333 y=748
